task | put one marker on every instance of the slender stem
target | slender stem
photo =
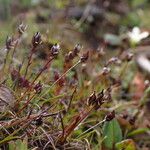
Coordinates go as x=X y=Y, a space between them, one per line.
x=91 y=128
x=123 y=70
x=29 y=61
x=26 y=104
x=71 y=98
x=13 y=53
x=62 y=124
x=5 y=60
x=61 y=77
x=40 y=72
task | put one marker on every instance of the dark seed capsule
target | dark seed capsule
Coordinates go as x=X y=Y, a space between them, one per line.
x=22 y=28
x=100 y=99
x=36 y=40
x=38 y=88
x=132 y=120
x=77 y=49
x=9 y=43
x=55 y=50
x=84 y=57
x=110 y=116
x=129 y=56
x=92 y=99
x=39 y=121
x=70 y=55
x=105 y=71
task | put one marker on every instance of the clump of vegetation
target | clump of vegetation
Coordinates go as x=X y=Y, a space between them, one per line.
x=69 y=100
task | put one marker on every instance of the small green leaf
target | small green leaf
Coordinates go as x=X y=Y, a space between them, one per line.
x=126 y=145
x=138 y=131
x=112 y=132
x=112 y=39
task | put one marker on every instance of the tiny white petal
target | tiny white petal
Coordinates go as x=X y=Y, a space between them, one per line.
x=144 y=35
x=136 y=30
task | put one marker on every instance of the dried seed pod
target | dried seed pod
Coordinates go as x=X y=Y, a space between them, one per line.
x=113 y=60
x=132 y=120
x=38 y=88
x=105 y=71
x=129 y=56
x=92 y=99
x=15 y=74
x=126 y=56
x=70 y=55
x=39 y=121
x=55 y=50
x=24 y=83
x=84 y=57
x=9 y=43
x=100 y=99
x=110 y=116
x=22 y=28
x=107 y=95
x=36 y=40
x=77 y=49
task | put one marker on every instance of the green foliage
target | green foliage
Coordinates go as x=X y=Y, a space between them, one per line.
x=132 y=19
x=136 y=3
x=18 y=145
x=138 y=131
x=5 y=9
x=112 y=133
x=112 y=39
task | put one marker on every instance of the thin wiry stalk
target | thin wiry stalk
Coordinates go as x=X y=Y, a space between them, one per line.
x=29 y=62
x=101 y=122
x=49 y=87
x=37 y=76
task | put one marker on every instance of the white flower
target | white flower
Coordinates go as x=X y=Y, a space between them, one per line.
x=136 y=35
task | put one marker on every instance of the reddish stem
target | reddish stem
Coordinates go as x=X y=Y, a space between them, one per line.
x=40 y=72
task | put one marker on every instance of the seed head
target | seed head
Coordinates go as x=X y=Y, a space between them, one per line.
x=21 y=28
x=9 y=43
x=92 y=99
x=38 y=88
x=84 y=57
x=15 y=74
x=113 y=60
x=39 y=121
x=105 y=71
x=77 y=49
x=129 y=56
x=36 y=40
x=55 y=50
x=23 y=82
x=110 y=116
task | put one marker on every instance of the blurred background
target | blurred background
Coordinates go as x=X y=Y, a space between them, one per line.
x=74 y=21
